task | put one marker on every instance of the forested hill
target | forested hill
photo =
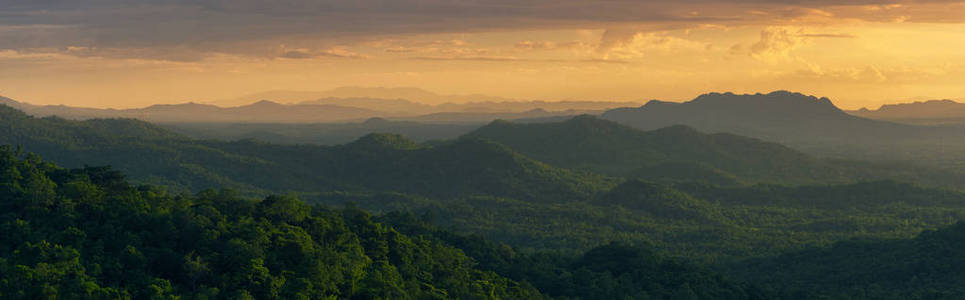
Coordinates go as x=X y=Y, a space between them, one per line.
x=587 y=142
x=680 y=153
x=927 y=267
x=375 y=162
x=89 y=234
x=86 y=233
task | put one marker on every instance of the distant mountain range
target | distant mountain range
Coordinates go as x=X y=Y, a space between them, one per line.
x=410 y=93
x=811 y=124
x=262 y=111
x=779 y=116
x=806 y=123
x=327 y=110
x=920 y=112
x=321 y=133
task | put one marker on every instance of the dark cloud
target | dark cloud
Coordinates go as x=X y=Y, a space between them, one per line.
x=246 y=26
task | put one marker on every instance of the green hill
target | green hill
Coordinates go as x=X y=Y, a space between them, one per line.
x=88 y=234
x=926 y=267
x=374 y=162
x=587 y=142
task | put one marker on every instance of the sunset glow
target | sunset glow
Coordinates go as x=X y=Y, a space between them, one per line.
x=115 y=54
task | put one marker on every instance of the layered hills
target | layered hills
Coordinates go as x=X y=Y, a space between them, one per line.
x=588 y=142
x=807 y=123
x=373 y=162
x=328 y=110
x=479 y=186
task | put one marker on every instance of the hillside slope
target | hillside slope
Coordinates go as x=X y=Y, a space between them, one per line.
x=375 y=162
x=88 y=234
x=926 y=267
x=670 y=153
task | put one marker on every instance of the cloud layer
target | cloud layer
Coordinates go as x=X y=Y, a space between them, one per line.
x=186 y=30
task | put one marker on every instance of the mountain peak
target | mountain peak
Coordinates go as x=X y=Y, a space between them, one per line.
x=656 y=102
x=266 y=103
x=775 y=96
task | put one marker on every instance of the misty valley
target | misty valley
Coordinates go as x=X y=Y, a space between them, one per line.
x=727 y=196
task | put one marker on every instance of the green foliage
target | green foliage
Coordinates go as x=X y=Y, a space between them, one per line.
x=586 y=142
x=611 y=271
x=926 y=267
x=692 y=221
x=86 y=233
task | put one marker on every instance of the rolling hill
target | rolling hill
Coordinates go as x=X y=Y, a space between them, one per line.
x=478 y=186
x=675 y=152
x=320 y=133
x=89 y=234
x=374 y=162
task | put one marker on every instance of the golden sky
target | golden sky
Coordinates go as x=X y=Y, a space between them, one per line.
x=113 y=53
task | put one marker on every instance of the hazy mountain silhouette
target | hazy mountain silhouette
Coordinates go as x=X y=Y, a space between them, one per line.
x=259 y=112
x=920 y=112
x=325 y=110
x=321 y=133
x=483 y=117
x=410 y=93
x=777 y=115
x=523 y=106
x=804 y=122
x=473 y=111
x=392 y=106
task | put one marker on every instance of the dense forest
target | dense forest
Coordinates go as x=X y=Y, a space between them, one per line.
x=926 y=267
x=87 y=233
x=578 y=209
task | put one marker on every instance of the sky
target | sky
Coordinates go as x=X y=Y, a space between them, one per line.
x=122 y=54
